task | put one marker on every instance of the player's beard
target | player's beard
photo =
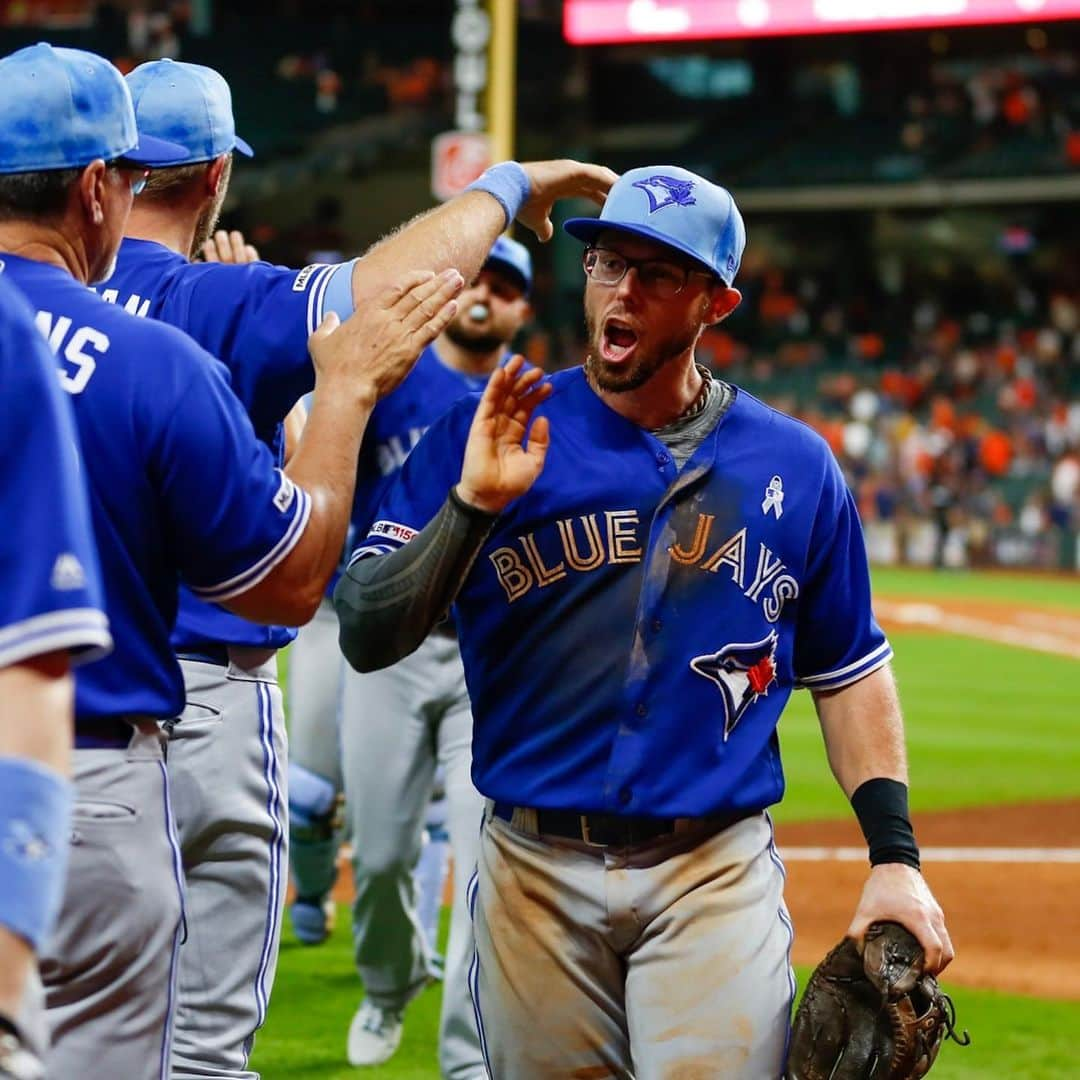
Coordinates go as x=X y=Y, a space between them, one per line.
x=620 y=378
x=208 y=219
x=475 y=341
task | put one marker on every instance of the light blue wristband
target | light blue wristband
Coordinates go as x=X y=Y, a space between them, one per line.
x=35 y=826
x=507 y=183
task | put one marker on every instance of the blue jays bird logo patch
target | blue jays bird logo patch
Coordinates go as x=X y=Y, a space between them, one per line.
x=666 y=191
x=743 y=672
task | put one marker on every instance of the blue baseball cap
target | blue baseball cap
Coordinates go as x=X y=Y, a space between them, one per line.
x=64 y=108
x=674 y=207
x=187 y=104
x=513 y=259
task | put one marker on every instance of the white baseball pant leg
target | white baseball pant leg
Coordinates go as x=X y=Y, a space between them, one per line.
x=110 y=967
x=396 y=725
x=227 y=760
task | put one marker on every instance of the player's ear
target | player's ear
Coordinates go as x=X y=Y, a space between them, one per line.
x=91 y=191
x=216 y=174
x=724 y=301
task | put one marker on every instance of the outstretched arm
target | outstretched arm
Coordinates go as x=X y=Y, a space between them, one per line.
x=864 y=738
x=459 y=233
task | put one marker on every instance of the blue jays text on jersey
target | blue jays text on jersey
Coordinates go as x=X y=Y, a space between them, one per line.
x=631 y=632
x=179 y=485
x=256 y=319
x=50 y=589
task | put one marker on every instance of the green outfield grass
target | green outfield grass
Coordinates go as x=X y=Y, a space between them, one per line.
x=1017 y=1038
x=1059 y=591
x=986 y=723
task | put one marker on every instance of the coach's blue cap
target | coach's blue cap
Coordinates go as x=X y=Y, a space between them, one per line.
x=512 y=259
x=66 y=107
x=675 y=207
x=187 y=104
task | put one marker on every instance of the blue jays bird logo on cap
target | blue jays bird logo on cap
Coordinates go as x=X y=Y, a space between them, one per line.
x=666 y=191
x=743 y=672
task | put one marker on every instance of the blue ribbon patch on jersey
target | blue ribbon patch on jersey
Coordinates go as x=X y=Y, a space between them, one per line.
x=742 y=672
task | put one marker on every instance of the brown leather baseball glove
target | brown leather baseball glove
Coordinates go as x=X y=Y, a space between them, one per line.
x=871 y=1016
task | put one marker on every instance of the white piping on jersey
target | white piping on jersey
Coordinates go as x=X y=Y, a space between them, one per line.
x=852 y=672
x=251 y=577
x=316 y=290
x=70 y=628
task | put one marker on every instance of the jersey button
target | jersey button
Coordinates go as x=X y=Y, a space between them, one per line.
x=642 y=710
x=662 y=457
x=625 y=796
x=657 y=626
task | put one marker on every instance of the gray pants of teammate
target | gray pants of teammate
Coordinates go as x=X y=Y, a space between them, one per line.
x=397 y=725
x=110 y=967
x=227 y=758
x=669 y=959
x=316 y=668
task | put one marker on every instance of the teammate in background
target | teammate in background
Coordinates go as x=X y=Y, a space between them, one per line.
x=643 y=562
x=179 y=487
x=256 y=318
x=51 y=616
x=397 y=726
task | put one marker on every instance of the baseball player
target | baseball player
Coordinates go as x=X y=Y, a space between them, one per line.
x=256 y=319
x=643 y=563
x=51 y=617
x=179 y=487
x=397 y=726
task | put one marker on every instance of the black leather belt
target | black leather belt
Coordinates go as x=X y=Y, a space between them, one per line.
x=109 y=732
x=616 y=830
x=208 y=652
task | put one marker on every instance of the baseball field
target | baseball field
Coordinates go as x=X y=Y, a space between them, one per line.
x=989 y=670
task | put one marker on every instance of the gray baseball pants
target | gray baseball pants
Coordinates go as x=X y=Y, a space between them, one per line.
x=109 y=969
x=668 y=959
x=316 y=669
x=227 y=767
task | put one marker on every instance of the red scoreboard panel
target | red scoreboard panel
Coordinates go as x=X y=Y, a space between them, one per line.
x=595 y=22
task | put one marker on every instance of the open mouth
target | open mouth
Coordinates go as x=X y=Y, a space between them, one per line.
x=617 y=341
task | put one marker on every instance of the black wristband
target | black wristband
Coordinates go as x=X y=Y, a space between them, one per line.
x=881 y=805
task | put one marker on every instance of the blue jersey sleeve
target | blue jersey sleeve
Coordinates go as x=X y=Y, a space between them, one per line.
x=837 y=640
x=50 y=591
x=423 y=483
x=231 y=515
x=257 y=320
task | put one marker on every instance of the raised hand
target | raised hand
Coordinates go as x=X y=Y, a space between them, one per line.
x=229 y=247
x=563 y=179
x=499 y=464
x=376 y=347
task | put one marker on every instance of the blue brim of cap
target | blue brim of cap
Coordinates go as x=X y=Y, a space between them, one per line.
x=509 y=270
x=153 y=151
x=589 y=228
x=244 y=147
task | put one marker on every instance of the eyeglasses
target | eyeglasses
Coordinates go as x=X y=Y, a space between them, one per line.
x=658 y=277
x=139 y=183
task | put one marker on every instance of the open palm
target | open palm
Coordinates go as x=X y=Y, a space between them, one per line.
x=500 y=464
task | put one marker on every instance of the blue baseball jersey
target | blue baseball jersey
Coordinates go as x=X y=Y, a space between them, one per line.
x=631 y=632
x=256 y=319
x=50 y=588
x=179 y=485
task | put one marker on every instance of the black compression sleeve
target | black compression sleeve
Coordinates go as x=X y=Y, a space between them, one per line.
x=881 y=805
x=388 y=604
